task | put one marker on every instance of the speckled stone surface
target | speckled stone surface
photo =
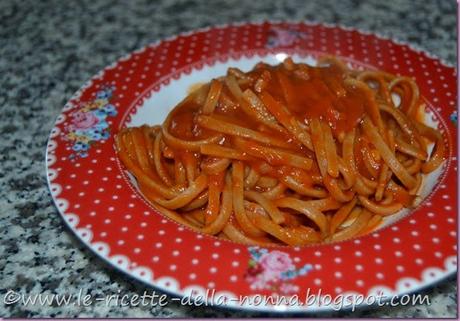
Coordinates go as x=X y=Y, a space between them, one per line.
x=49 y=48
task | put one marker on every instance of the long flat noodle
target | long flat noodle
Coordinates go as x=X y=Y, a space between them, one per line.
x=302 y=72
x=139 y=173
x=415 y=190
x=388 y=198
x=138 y=140
x=226 y=102
x=371 y=164
x=335 y=191
x=187 y=196
x=379 y=77
x=175 y=217
x=259 y=108
x=223 y=236
x=382 y=180
x=348 y=151
x=268 y=206
x=238 y=73
x=233 y=86
x=125 y=139
x=413 y=166
x=198 y=216
x=235 y=130
x=324 y=204
x=223 y=152
x=348 y=156
x=302 y=189
x=415 y=94
x=216 y=166
x=408 y=127
x=352 y=216
x=292 y=220
x=235 y=235
x=341 y=215
x=387 y=154
x=195 y=217
x=198 y=96
x=331 y=152
x=263 y=81
x=184 y=144
x=251 y=179
x=321 y=157
x=286 y=119
x=362 y=189
x=278 y=232
x=188 y=145
x=437 y=155
x=368 y=182
x=215 y=187
x=319 y=145
x=373 y=223
x=371 y=106
x=161 y=170
x=150 y=133
x=332 y=61
x=198 y=202
x=238 y=197
x=348 y=175
x=267 y=182
x=335 y=86
x=213 y=97
x=306 y=235
x=191 y=166
x=385 y=175
x=403 y=195
x=289 y=64
x=273 y=156
x=383 y=210
x=275 y=192
x=224 y=213
x=179 y=174
x=410 y=149
x=354 y=229
x=311 y=212
x=287 y=88
x=250 y=104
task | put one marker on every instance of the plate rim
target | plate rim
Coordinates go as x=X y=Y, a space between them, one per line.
x=87 y=84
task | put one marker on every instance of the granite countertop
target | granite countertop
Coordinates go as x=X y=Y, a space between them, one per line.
x=48 y=49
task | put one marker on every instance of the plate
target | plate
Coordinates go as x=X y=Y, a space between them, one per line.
x=97 y=200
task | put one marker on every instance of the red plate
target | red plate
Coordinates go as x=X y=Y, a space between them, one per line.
x=96 y=199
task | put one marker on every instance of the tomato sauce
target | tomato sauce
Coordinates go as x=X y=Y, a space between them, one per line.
x=321 y=95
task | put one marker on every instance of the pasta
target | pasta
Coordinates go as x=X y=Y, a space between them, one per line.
x=289 y=154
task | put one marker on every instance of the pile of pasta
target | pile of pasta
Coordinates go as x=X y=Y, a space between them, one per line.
x=290 y=154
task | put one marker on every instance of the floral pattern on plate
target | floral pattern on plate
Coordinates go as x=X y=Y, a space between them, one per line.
x=284 y=37
x=89 y=123
x=272 y=270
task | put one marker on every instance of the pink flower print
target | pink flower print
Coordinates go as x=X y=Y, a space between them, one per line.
x=254 y=270
x=83 y=120
x=276 y=262
x=281 y=37
x=257 y=282
x=285 y=37
x=270 y=270
x=287 y=288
